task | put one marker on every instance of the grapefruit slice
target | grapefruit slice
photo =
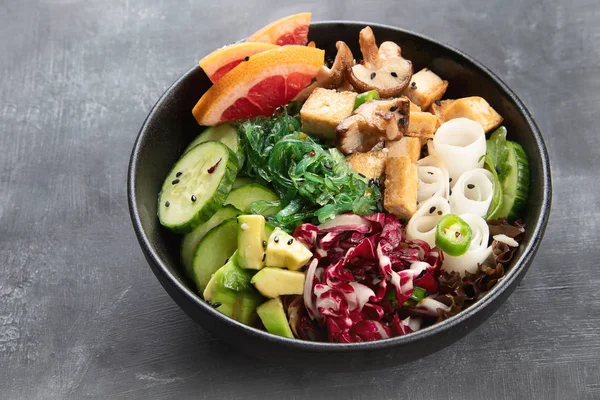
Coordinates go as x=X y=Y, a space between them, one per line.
x=256 y=87
x=287 y=30
x=223 y=60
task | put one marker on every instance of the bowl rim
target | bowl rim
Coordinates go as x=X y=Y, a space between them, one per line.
x=159 y=268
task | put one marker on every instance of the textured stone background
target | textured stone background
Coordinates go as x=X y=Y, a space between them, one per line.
x=82 y=316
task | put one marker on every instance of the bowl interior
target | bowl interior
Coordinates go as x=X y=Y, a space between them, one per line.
x=170 y=127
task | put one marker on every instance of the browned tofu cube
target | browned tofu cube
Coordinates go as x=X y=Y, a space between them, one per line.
x=371 y=164
x=475 y=108
x=425 y=88
x=422 y=124
x=406 y=147
x=438 y=108
x=401 y=184
x=414 y=107
x=324 y=110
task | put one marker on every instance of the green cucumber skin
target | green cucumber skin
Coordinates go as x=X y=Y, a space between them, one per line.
x=209 y=132
x=190 y=241
x=515 y=186
x=240 y=196
x=213 y=251
x=522 y=188
x=217 y=199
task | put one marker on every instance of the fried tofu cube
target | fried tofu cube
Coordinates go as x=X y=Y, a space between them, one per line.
x=406 y=147
x=371 y=164
x=438 y=108
x=324 y=110
x=422 y=124
x=474 y=108
x=414 y=107
x=425 y=88
x=401 y=184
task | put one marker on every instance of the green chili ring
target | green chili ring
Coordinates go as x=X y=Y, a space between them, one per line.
x=453 y=235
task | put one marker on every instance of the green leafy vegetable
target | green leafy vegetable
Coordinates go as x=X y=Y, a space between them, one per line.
x=310 y=179
x=497 y=197
x=498 y=151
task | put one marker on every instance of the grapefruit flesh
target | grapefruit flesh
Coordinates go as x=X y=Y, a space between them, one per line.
x=221 y=61
x=257 y=87
x=285 y=31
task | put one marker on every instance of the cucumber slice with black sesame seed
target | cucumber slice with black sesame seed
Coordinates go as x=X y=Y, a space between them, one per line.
x=197 y=186
x=190 y=241
x=224 y=133
x=243 y=196
x=213 y=251
x=515 y=186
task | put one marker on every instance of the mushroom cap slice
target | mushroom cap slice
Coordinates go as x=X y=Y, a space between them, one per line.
x=372 y=123
x=331 y=78
x=383 y=69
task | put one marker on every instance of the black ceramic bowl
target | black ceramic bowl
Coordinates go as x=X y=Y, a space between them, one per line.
x=170 y=127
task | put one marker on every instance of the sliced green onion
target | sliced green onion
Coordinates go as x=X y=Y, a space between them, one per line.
x=364 y=97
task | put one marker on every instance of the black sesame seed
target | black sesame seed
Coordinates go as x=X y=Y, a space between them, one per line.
x=246 y=58
x=290 y=241
x=403 y=121
x=450 y=194
x=395 y=75
x=194 y=198
x=276 y=239
x=264 y=256
x=429 y=172
x=431 y=210
x=264 y=243
x=175 y=181
x=471 y=186
x=216 y=305
x=450 y=180
x=178 y=174
x=377 y=182
x=393 y=108
x=226 y=260
x=457 y=234
x=373 y=75
x=413 y=85
x=371 y=182
x=438 y=103
x=361 y=175
x=167 y=204
x=439 y=213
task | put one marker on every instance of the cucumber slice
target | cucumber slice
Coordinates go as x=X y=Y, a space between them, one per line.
x=224 y=133
x=515 y=185
x=213 y=251
x=241 y=181
x=242 y=197
x=190 y=240
x=197 y=186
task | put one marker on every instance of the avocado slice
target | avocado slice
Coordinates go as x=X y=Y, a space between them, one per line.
x=230 y=286
x=284 y=251
x=251 y=237
x=273 y=317
x=273 y=282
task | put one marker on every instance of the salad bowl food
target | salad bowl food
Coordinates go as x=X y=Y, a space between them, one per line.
x=362 y=200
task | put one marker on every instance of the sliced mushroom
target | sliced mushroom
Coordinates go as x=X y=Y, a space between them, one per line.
x=334 y=77
x=382 y=69
x=372 y=123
